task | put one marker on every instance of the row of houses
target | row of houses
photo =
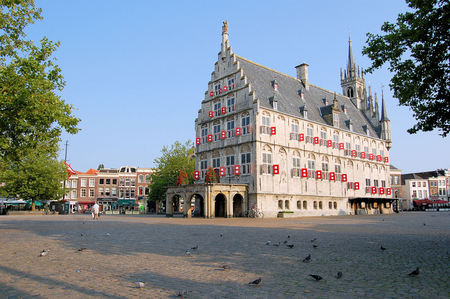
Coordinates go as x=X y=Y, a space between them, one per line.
x=125 y=187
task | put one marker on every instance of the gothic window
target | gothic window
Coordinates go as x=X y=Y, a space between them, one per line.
x=350 y=92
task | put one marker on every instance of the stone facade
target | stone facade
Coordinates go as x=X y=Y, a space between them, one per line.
x=299 y=148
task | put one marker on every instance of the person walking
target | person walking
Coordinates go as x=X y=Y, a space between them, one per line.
x=96 y=209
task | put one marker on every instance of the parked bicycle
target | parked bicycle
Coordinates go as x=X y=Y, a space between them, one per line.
x=255 y=213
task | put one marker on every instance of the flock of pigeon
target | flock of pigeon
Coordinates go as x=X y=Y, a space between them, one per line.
x=287 y=243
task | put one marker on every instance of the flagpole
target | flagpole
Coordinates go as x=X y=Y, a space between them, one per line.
x=65 y=160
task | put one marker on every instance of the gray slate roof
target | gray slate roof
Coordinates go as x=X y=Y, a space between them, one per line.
x=289 y=99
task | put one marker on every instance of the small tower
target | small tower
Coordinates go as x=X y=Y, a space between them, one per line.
x=352 y=83
x=385 y=124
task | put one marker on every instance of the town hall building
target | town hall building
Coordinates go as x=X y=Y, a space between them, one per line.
x=283 y=146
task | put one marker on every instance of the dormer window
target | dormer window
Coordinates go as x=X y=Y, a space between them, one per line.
x=275 y=85
x=335 y=120
x=275 y=105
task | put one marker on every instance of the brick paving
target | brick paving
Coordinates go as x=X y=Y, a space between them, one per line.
x=121 y=250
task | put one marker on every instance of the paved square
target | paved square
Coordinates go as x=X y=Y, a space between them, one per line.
x=121 y=250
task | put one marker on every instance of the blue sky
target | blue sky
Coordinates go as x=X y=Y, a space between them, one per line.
x=137 y=71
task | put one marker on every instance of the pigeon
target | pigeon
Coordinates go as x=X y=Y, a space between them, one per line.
x=424 y=224
x=139 y=284
x=415 y=272
x=221 y=235
x=268 y=243
x=225 y=267
x=285 y=242
x=290 y=245
x=315 y=246
x=313 y=240
x=339 y=275
x=316 y=277
x=195 y=247
x=289 y=236
x=82 y=248
x=255 y=282
x=307 y=259
x=382 y=248
x=276 y=244
x=188 y=253
x=44 y=252
x=81 y=235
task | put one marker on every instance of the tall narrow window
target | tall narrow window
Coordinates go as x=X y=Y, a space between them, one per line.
x=230 y=105
x=230 y=165
x=245 y=163
x=245 y=122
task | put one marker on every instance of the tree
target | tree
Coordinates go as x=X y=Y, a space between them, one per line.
x=37 y=176
x=100 y=166
x=31 y=109
x=32 y=112
x=417 y=50
x=173 y=161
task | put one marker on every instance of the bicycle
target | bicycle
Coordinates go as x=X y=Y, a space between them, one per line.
x=255 y=213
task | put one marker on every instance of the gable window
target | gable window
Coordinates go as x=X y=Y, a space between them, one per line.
x=230 y=84
x=230 y=105
x=230 y=128
x=216 y=130
x=230 y=165
x=265 y=125
x=245 y=122
x=217 y=108
x=266 y=167
x=335 y=120
x=245 y=163
x=204 y=135
x=217 y=89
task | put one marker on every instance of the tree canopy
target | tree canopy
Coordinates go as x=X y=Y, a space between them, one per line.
x=32 y=112
x=417 y=50
x=174 y=160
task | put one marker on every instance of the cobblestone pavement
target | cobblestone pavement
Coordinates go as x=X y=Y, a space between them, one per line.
x=121 y=250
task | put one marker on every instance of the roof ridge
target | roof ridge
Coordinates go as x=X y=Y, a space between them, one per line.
x=267 y=68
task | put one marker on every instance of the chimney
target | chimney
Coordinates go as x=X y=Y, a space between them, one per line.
x=302 y=74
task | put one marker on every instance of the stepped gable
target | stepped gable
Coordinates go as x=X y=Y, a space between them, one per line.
x=290 y=101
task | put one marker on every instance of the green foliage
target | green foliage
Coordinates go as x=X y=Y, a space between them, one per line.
x=417 y=50
x=100 y=166
x=37 y=176
x=32 y=113
x=179 y=157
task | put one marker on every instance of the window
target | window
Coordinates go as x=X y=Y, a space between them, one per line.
x=375 y=183
x=305 y=205
x=311 y=165
x=83 y=183
x=203 y=167
x=266 y=168
x=101 y=191
x=330 y=205
x=420 y=193
x=127 y=182
x=396 y=180
x=230 y=128
x=286 y=204
x=230 y=84
x=113 y=191
x=358 y=148
x=266 y=121
x=230 y=105
x=315 y=205
x=108 y=181
x=216 y=162
x=83 y=192
x=216 y=130
x=102 y=181
x=217 y=108
x=335 y=205
x=335 y=120
x=91 y=193
x=337 y=168
x=368 y=182
x=147 y=178
x=366 y=149
x=425 y=193
x=323 y=138
x=217 y=89
x=294 y=128
x=107 y=192
x=114 y=181
x=91 y=182
x=309 y=135
x=383 y=183
x=280 y=204
x=245 y=121
x=414 y=184
x=204 y=135
x=141 y=191
x=424 y=184
x=141 y=178
x=230 y=165
x=336 y=141
x=146 y=190
x=296 y=166
x=74 y=194
x=74 y=183
x=320 y=205
x=325 y=166
x=299 y=204
x=245 y=163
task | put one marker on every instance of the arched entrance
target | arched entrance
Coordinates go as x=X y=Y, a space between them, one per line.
x=238 y=206
x=219 y=206
x=197 y=202
x=176 y=203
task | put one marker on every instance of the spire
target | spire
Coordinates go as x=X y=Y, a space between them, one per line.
x=224 y=36
x=383 y=108
x=351 y=62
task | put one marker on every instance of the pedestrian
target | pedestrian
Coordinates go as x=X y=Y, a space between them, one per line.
x=96 y=210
